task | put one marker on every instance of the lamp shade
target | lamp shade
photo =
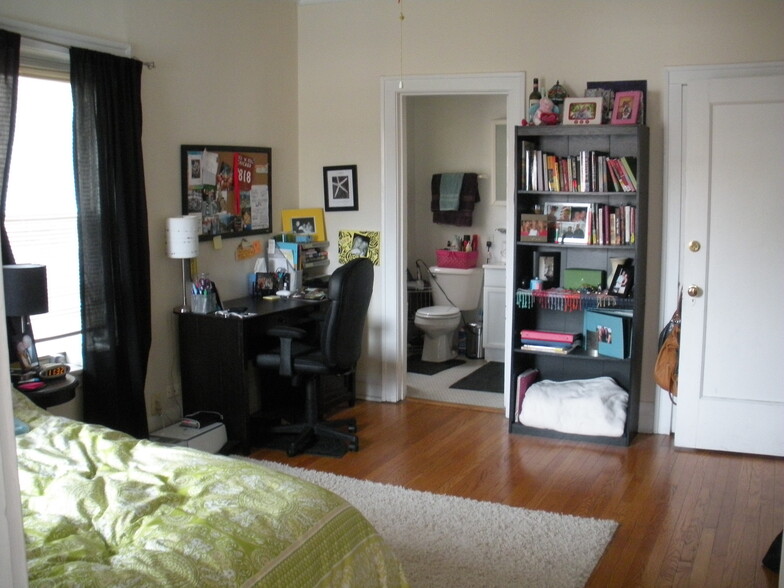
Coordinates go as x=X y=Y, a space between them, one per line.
x=182 y=237
x=25 y=289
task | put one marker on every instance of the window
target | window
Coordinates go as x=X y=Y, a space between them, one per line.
x=41 y=209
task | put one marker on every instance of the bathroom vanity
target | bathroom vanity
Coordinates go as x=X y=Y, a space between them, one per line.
x=493 y=305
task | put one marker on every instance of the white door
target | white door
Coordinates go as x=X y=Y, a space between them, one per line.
x=730 y=395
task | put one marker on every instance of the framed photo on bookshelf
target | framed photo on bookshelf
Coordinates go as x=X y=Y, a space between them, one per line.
x=623 y=86
x=549 y=269
x=623 y=280
x=571 y=221
x=533 y=228
x=583 y=111
x=626 y=110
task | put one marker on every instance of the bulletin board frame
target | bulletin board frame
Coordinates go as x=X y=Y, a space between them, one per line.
x=229 y=187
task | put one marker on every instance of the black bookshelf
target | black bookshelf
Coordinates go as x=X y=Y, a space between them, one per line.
x=565 y=141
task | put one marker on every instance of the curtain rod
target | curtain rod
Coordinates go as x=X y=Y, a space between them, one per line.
x=66 y=40
x=147 y=64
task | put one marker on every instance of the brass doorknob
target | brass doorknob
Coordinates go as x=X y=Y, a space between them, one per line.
x=694 y=291
x=694 y=246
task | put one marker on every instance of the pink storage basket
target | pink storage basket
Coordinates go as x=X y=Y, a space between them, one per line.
x=456 y=259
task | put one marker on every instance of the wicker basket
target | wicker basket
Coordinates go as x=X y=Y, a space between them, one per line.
x=456 y=259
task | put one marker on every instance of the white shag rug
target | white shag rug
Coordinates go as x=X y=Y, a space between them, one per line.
x=447 y=541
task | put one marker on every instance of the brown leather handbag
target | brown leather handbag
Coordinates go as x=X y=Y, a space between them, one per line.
x=665 y=371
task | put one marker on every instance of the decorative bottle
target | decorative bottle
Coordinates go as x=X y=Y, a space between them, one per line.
x=533 y=100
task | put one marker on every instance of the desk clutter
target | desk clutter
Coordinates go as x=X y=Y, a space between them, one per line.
x=288 y=269
x=204 y=295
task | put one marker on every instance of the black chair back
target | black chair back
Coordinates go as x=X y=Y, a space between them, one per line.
x=349 y=291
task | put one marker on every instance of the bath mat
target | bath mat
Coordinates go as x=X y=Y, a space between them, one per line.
x=488 y=378
x=429 y=368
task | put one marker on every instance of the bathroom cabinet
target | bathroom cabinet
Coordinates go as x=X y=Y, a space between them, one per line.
x=493 y=315
x=552 y=309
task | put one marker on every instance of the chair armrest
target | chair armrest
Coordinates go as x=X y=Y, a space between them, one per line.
x=287 y=332
x=288 y=335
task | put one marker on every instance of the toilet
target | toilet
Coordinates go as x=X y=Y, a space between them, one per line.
x=461 y=292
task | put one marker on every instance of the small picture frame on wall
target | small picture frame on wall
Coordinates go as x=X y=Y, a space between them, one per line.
x=626 y=110
x=340 y=188
x=353 y=244
x=583 y=111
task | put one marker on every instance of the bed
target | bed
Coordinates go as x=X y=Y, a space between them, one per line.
x=101 y=508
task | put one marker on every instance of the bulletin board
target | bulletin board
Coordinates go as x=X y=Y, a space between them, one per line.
x=229 y=187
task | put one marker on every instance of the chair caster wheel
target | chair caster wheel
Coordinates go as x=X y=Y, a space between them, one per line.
x=353 y=446
x=352 y=428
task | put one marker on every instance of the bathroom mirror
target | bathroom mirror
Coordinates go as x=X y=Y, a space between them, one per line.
x=498 y=179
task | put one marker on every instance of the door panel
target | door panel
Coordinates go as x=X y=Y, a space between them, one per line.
x=729 y=394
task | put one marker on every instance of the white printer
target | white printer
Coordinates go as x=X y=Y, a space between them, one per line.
x=190 y=432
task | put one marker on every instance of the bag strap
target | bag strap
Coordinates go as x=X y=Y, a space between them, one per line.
x=676 y=316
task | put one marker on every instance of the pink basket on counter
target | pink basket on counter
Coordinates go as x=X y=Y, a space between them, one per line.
x=456 y=259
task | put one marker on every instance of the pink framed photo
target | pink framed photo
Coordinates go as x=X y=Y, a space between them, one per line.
x=626 y=110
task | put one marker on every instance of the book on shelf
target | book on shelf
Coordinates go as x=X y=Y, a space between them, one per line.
x=612 y=225
x=524 y=381
x=561 y=349
x=555 y=336
x=546 y=343
x=587 y=171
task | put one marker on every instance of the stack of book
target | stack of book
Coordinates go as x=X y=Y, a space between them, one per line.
x=587 y=171
x=314 y=258
x=550 y=341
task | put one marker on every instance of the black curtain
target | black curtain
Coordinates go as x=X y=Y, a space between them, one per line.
x=114 y=248
x=9 y=81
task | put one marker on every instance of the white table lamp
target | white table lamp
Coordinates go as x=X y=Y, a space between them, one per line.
x=182 y=242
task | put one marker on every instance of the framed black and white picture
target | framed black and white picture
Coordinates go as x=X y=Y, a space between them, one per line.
x=340 y=188
x=623 y=280
x=549 y=269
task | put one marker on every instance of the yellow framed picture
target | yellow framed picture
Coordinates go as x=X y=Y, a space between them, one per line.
x=305 y=221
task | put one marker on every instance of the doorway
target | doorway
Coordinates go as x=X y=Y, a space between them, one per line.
x=395 y=207
x=448 y=133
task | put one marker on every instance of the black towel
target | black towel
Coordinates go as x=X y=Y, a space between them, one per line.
x=469 y=195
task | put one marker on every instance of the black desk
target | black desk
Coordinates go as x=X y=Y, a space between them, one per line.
x=57 y=391
x=216 y=351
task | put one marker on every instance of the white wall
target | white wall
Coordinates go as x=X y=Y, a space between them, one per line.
x=567 y=40
x=225 y=74
x=305 y=81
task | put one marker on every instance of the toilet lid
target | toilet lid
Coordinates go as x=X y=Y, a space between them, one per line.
x=438 y=312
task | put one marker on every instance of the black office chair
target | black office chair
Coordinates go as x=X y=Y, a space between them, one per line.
x=336 y=352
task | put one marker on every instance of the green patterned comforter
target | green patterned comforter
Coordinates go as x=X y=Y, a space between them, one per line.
x=103 y=509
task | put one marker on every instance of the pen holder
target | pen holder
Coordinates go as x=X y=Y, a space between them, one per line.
x=203 y=303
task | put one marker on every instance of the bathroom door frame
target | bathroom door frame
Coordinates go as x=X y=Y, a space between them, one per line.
x=394 y=211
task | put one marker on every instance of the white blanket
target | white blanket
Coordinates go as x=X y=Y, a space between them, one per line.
x=583 y=407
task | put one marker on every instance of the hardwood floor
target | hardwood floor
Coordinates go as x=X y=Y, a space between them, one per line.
x=687 y=518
